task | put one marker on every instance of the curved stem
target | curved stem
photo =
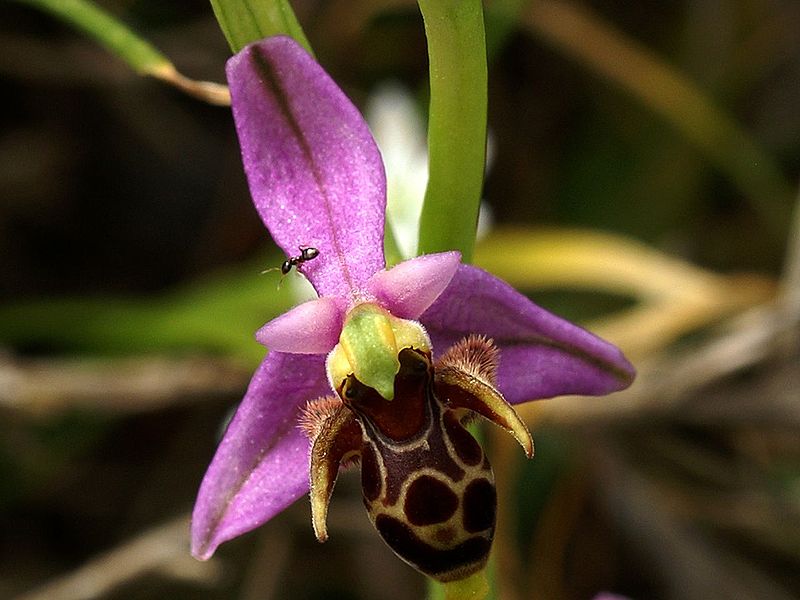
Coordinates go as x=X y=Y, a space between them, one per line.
x=92 y=20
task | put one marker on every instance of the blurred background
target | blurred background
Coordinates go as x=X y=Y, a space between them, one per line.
x=643 y=182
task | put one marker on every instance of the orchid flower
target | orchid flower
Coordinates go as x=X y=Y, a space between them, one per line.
x=385 y=365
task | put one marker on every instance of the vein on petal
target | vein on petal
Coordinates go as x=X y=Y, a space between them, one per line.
x=262 y=63
x=623 y=375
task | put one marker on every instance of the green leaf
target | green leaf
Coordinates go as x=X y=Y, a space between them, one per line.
x=247 y=21
x=216 y=314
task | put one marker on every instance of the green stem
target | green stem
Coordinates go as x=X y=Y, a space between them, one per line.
x=108 y=31
x=473 y=587
x=246 y=21
x=456 y=126
x=456 y=137
x=435 y=590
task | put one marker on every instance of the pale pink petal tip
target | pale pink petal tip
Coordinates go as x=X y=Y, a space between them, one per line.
x=309 y=328
x=410 y=287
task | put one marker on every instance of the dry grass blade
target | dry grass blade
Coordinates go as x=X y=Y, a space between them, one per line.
x=208 y=91
x=123 y=385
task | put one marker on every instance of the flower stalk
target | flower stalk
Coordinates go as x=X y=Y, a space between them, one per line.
x=456 y=38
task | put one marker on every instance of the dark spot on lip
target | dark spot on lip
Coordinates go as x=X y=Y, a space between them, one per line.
x=445 y=565
x=480 y=505
x=429 y=501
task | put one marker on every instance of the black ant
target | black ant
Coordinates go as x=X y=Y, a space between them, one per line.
x=306 y=253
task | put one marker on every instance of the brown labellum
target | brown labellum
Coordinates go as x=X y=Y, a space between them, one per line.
x=427 y=486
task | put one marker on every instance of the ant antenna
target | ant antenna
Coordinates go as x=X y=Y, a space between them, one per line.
x=306 y=253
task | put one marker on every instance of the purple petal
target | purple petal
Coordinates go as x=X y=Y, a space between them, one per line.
x=409 y=288
x=314 y=171
x=262 y=463
x=541 y=354
x=312 y=327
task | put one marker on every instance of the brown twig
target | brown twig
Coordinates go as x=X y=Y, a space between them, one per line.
x=122 y=385
x=208 y=91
